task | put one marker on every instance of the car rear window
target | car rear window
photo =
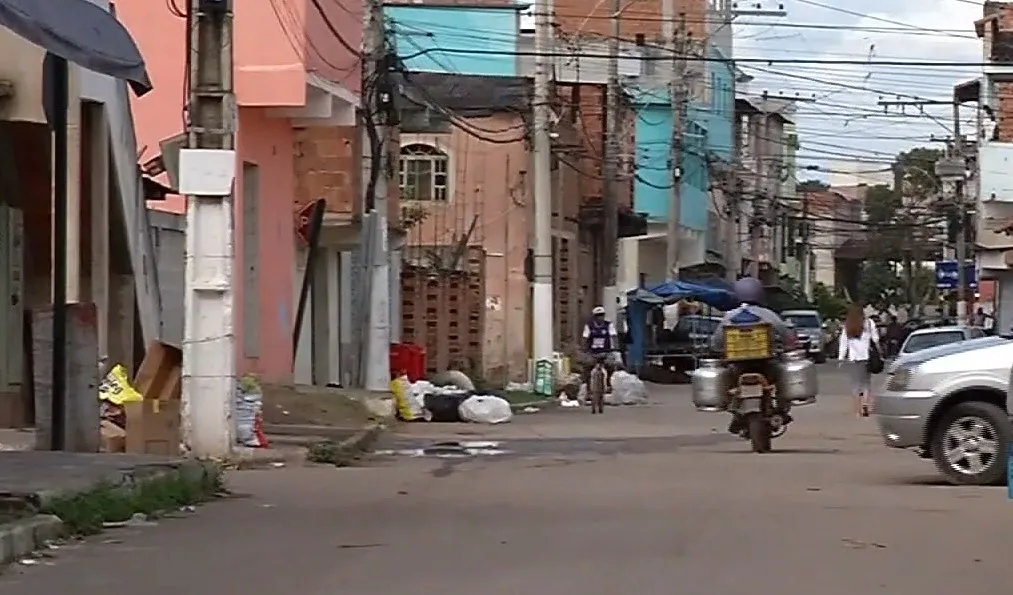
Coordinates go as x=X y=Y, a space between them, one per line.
x=803 y=320
x=927 y=340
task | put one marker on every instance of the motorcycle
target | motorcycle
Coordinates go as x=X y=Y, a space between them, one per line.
x=757 y=385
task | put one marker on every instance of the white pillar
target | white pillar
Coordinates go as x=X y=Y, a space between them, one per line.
x=73 y=185
x=99 y=168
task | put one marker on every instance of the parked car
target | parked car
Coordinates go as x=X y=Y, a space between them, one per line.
x=949 y=404
x=809 y=330
x=927 y=338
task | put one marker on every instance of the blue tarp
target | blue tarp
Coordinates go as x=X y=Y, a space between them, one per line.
x=716 y=297
x=640 y=301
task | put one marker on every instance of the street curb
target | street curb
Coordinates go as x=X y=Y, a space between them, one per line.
x=22 y=537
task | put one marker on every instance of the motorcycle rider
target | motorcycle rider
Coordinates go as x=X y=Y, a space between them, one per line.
x=751 y=296
x=600 y=340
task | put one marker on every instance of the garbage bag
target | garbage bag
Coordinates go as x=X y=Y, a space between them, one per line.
x=115 y=388
x=484 y=409
x=401 y=388
x=249 y=400
x=416 y=397
x=627 y=389
x=454 y=378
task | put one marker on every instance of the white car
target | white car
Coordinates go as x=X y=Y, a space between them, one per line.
x=934 y=337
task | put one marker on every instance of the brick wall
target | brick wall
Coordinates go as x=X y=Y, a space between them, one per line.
x=327 y=166
x=591 y=17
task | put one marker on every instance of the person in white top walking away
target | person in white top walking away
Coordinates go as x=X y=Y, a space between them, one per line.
x=857 y=339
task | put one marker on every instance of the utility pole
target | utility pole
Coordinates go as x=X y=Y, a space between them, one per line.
x=209 y=377
x=728 y=10
x=610 y=166
x=806 y=248
x=376 y=73
x=542 y=319
x=958 y=157
x=759 y=210
x=676 y=43
x=951 y=168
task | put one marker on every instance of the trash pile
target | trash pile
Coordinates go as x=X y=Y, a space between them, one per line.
x=449 y=402
x=143 y=416
x=627 y=389
x=248 y=412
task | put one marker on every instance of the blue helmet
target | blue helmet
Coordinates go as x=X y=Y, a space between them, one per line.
x=749 y=290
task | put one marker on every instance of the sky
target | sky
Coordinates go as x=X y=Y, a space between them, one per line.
x=843 y=128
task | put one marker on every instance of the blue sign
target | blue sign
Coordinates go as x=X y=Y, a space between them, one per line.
x=947 y=274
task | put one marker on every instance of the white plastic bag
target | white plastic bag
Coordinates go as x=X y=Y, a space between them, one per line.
x=417 y=398
x=482 y=409
x=248 y=403
x=627 y=389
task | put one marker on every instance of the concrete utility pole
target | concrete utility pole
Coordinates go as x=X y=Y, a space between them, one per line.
x=769 y=173
x=542 y=319
x=677 y=44
x=806 y=248
x=610 y=167
x=728 y=11
x=958 y=157
x=951 y=168
x=759 y=215
x=209 y=377
x=375 y=71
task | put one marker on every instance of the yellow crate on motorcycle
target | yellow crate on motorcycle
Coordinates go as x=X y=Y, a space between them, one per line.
x=748 y=342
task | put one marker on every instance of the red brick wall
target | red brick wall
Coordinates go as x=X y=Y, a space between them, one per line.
x=327 y=166
x=591 y=17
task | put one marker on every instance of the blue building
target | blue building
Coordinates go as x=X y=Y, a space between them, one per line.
x=709 y=137
x=439 y=38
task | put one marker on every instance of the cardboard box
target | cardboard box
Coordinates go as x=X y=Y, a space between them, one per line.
x=153 y=424
x=153 y=427
x=114 y=438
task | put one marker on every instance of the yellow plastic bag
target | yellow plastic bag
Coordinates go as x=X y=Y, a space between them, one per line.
x=399 y=387
x=116 y=389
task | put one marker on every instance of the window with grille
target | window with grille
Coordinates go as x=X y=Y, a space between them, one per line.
x=423 y=171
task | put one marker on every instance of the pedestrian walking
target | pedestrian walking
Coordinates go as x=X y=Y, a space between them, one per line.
x=858 y=350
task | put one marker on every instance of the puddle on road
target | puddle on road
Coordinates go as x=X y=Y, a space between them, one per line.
x=449 y=450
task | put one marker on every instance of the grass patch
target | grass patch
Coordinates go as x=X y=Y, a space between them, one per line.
x=329 y=452
x=85 y=513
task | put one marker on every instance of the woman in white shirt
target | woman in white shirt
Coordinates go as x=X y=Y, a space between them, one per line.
x=853 y=349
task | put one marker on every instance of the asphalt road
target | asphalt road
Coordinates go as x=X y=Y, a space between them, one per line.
x=647 y=500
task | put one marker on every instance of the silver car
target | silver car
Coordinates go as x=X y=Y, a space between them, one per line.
x=809 y=330
x=949 y=404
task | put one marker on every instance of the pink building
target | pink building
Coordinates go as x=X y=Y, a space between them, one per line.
x=297 y=90
x=466 y=293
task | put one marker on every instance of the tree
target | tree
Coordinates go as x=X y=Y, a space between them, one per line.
x=830 y=306
x=881 y=285
x=881 y=204
x=811 y=186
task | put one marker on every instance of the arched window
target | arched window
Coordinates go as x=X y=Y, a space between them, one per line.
x=423 y=171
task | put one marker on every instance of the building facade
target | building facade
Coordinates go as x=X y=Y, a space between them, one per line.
x=296 y=85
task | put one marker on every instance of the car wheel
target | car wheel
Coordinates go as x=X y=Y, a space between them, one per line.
x=970 y=443
x=820 y=358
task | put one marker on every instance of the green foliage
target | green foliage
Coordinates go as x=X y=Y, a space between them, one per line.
x=86 y=513
x=881 y=204
x=919 y=168
x=830 y=305
x=881 y=285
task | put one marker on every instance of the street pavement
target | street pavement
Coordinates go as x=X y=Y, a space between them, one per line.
x=653 y=500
